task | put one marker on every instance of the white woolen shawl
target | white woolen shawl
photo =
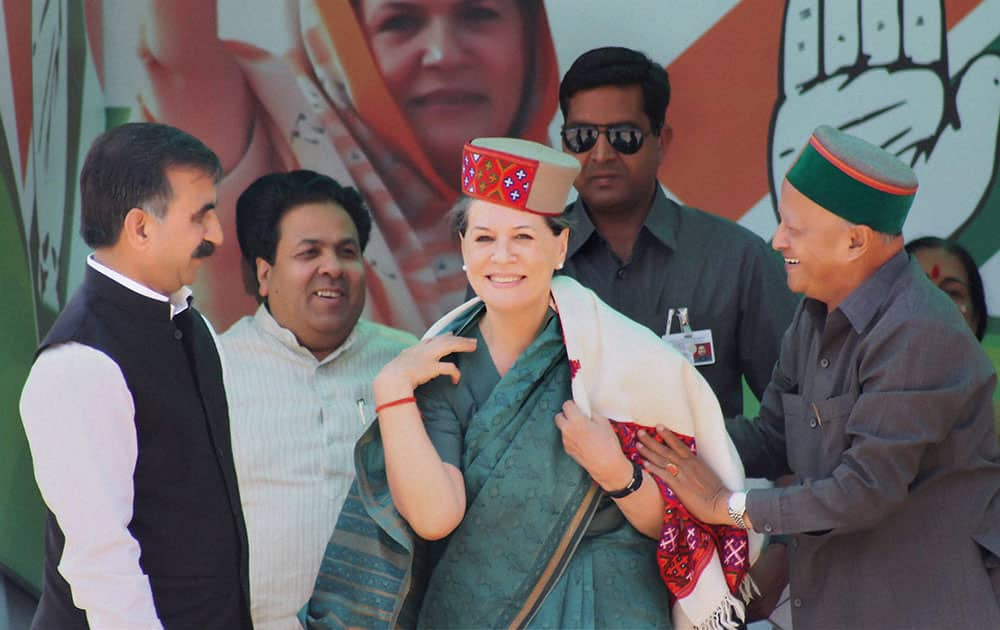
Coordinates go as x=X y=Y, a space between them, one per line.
x=628 y=373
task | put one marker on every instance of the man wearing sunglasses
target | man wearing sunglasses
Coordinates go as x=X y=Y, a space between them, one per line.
x=677 y=270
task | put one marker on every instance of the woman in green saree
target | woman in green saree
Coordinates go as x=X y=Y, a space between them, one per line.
x=537 y=517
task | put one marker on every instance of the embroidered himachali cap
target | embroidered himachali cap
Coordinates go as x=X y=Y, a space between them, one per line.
x=855 y=180
x=519 y=174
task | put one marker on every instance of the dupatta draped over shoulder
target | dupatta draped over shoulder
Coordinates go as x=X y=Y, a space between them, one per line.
x=529 y=550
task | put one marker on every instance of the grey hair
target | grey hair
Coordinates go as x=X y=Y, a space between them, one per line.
x=885 y=237
x=889 y=239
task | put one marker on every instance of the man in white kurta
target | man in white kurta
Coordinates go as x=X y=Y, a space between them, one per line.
x=298 y=377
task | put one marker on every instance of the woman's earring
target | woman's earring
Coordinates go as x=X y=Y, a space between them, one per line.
x=559 y=266
x=464 y=268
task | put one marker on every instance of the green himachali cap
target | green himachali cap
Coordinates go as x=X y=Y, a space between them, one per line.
x=855 y=180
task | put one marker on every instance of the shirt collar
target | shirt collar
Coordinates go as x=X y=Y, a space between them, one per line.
x=287 y=338
x=864 y=302
x=179 y=300
x=664 y=219
x=581 y=227
x=662 y=222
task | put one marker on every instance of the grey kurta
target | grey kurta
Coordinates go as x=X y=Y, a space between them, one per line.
x=882 y=410
x=727 y=276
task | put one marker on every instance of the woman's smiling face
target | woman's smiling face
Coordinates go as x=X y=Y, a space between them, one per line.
x=510 y=256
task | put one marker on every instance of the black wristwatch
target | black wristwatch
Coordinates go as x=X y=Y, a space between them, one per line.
x=632 y=485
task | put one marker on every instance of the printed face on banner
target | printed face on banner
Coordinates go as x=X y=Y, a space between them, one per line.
x=455 y=67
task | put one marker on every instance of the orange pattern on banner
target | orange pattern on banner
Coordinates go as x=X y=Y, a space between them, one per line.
x=725 y=86
x=18 y=17
x=94 y=20
x=956 y=10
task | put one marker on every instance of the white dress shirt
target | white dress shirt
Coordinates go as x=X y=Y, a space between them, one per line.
x=294 y=422
x=78 y=415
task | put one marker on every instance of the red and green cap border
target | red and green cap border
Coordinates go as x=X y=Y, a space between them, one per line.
x=855 y=180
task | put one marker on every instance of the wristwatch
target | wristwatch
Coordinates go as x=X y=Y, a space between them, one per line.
x=632 y=486
x=737 y=508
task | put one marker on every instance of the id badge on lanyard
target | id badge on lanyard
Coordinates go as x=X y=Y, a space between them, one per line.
x=694 y=345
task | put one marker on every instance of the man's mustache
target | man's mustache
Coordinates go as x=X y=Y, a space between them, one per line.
x=206 y=249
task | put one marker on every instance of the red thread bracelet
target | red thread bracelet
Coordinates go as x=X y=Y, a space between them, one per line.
x=400 y=401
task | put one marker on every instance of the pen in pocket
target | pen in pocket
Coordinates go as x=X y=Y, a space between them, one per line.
x=819 y=418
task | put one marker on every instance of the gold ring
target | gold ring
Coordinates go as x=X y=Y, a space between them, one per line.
x=672 y=468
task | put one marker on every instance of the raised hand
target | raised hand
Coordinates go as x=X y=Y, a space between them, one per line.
x=879 y=70
x=418 y=364
x=427 y=492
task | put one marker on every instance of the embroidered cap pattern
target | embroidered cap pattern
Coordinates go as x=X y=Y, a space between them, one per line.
x=498 y=177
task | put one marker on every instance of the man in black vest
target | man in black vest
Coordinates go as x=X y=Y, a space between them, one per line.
x=125 y=411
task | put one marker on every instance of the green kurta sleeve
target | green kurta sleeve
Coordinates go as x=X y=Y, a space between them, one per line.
x=447 y=408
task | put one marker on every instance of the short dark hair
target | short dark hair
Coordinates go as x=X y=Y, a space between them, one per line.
x=126 y=167
x=262 y=205
x=976 y=292
x=615 y=65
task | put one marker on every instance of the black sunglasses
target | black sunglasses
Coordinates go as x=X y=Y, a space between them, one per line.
x=626 y=139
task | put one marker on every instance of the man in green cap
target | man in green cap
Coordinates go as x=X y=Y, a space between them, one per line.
x=880 y=406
